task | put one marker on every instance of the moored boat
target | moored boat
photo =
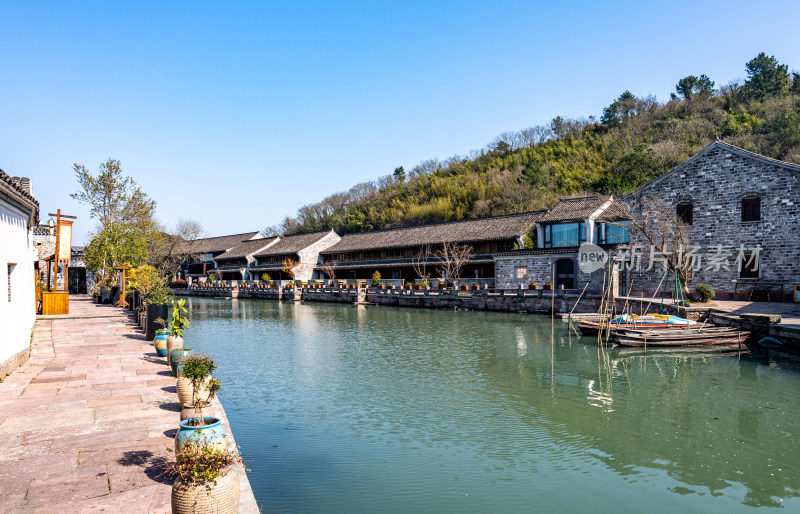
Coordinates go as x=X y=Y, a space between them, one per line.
x=686 y=337
x=654 y=322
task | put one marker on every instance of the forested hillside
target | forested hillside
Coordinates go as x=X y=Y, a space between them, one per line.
x=634 y=141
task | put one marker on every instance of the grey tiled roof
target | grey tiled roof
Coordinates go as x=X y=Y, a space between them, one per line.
x=220 y=243
x=246 y=248
x=467 y=231
x=293 y=243
x=574 y=209
x=399 y=263
x=19 y=190
x=580 y=209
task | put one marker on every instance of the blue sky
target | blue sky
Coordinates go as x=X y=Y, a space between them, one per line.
x=238 y=113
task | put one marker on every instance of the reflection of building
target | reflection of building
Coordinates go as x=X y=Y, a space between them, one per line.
x=19 y=214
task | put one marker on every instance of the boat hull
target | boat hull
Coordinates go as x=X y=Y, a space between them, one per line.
x=686 y=337
x=590 y=328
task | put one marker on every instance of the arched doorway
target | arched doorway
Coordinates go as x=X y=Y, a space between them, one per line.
x=565 y=273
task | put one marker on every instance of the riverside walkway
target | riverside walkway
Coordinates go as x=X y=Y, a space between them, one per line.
x=86 y=422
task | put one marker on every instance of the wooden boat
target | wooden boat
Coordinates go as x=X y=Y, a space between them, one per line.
x=654 y=322
x=686 y=337
x=623 y=352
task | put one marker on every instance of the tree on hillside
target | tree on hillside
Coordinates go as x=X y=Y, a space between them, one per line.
x=125 y=216
x=619 y=110
x=694 y=87
x=399 y=174
x=766 y=77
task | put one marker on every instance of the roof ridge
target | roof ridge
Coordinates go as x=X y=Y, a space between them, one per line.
x=8 y=180
x=229 y=235
x=432 y=223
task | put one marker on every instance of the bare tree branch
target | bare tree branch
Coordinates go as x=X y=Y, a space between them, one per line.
x=453 y=257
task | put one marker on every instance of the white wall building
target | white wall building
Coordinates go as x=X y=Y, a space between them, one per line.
x=19 y=213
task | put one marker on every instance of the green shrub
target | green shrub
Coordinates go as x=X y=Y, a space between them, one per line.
x=704 y=292
x=198 y=463
x=376 y=278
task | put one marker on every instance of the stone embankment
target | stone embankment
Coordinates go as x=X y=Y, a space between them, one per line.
x=86 y=422
x=501 y=300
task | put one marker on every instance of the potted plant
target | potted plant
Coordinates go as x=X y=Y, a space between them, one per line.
x=156 y=295
x=160 y=339
x=475 y=286
x=548 y=286
x=205 y=481
x=194 y=373
x=176 y=358
x=178 y=323
x=533 y=285
x=204 y=430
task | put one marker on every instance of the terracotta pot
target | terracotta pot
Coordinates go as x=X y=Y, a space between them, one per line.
x=548 y=287
x=187 y=411
x=173 y=343
x=533 y=286
x=220 y=495
x=184 y=387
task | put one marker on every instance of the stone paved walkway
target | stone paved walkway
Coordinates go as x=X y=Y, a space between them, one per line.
x=86 y=422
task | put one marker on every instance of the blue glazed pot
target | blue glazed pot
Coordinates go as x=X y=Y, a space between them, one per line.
x=211 y=434
x=176 y=358
x=160 y=342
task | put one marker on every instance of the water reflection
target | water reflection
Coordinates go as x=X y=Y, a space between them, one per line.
x=359 y=408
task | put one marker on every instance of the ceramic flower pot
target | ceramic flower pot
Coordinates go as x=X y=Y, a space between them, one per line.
x=184 y=387
x=187 y=411
x=211 y=434
x=220 y=495
x=153 y=313
x=173 y=343
x=160 y=342
x=176 y=357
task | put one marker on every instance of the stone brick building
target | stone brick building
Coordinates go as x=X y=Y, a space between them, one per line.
x=600 y=220
x=740 y=208
x=739 y=215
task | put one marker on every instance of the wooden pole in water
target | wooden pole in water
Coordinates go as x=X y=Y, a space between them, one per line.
x=654 y=294
x=553 y=304
x=578 y=300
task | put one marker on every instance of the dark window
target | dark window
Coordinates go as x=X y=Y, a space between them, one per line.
x=749 y=265
x=564 y=235
x=613 y=233
x=10 y=269
x=751 y=209
x=685 y=212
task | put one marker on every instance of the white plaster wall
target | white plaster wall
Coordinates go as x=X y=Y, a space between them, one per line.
x=309 y=256
x=17 y=316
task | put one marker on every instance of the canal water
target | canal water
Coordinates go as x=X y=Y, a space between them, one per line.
x=342 y=408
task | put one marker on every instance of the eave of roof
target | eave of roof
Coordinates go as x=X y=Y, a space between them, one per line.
x=496 y=228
